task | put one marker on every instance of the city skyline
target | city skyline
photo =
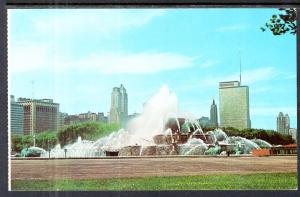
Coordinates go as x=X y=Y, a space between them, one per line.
x=141 y=50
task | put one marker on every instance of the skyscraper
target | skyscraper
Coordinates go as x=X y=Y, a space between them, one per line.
x=287 y=124
x=16 y=117
x=213 y=115
x=293 y=133
x=119 y=105
x=61 y=119
x=204 y=122
x=124 y=102
x=283 y=123
x=39 y=115
x=234 y=105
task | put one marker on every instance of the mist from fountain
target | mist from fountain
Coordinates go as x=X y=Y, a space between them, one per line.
x=245 y=145
x=137 y=138
x=262 y=143
x=193 y=147
x=140 y=131
x=220 y=135
x=157 y=111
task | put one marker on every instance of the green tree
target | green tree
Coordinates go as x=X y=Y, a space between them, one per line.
x=282 y=23
x=16 y=143
x=27 y=141
x=87 y=130
x=270 y=136
x=46 y=139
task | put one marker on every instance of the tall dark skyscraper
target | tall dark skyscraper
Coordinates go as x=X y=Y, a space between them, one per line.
x=119 y=105
x=213 y=115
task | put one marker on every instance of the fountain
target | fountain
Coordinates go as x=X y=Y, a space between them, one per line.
x=160 y=130
x=32 y=151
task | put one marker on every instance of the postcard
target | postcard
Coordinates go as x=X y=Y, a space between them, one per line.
x=152 y=99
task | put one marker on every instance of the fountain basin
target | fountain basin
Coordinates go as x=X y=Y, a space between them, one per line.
x=160 y=139
x=112 y=153
x=130 y=151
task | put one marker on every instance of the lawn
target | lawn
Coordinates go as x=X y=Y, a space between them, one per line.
x=267 y=181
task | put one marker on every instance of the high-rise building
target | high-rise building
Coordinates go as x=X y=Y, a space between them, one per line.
x=124 y=102
x=280 y=123
x=119 y=105
x=293 y=133
x=85 y=117
x=234 y=105
x=101 y=117
x=88 y=117
x=39 y=115
x=61 y=119
x=213 y=115
x=287 y=124
x=204 y=122
x=16 y=117
x=283 y=123
x=71 y=119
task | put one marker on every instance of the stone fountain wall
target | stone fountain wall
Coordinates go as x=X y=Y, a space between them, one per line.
x=148 y=150
x=130 y=151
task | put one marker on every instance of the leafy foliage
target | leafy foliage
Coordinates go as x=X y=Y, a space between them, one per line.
x=68 y=134
x=43 y=140
x=87 y=130
x=270 y=136
x=46 y=140
x=282 y=23
x=16 y=143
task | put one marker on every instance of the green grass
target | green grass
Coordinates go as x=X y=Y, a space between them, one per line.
x=266 y=181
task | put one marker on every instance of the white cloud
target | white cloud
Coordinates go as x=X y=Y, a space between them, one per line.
x=257 y=75
x=209 y=63
x=261 y=89
x=248 y=77
x=102 y=22
x=290 y=75
x=27 y=57
x=252 y=76
x=233 y=27
x=31 y=57
x=131 y=63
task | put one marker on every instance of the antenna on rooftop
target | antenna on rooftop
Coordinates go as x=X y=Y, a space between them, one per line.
x=240 y=67
x=32 y=89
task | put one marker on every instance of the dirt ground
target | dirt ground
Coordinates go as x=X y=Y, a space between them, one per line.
x=142 y=167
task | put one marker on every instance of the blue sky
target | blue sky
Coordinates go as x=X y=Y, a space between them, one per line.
x=76 y=56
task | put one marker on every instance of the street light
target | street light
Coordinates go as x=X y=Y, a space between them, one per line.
x=49 y=148
x=65 y=152
x=34 y=139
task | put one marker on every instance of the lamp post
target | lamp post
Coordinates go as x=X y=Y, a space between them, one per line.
x=34 y=139
x=65 y=152
x=48 y=148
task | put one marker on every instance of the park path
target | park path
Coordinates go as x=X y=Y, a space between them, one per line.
x=141 y=167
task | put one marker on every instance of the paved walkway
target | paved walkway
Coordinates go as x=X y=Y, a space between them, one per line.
x=141 y=167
